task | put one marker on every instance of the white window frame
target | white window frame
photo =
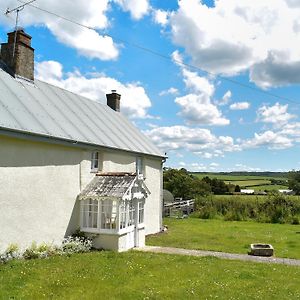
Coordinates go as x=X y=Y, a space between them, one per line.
x=96 y=161
x=124 y=221
x=141 y=212
x=140 y=168
x=85 y=214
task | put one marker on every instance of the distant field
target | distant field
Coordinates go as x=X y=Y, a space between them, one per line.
x=252 y=182
x=256 y=182
x=237 y=177
x=250 y=197
x=269 y=187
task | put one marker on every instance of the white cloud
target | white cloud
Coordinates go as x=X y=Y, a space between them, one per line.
x=196 y=83
x=90 y=13
x=269 y=139
x=292 y=129
x=134 y=101
x=196 y=109
x=160 y=17
x=276 y=114
x=170 y=91
x=136 y=8
x=197 y=140
x=234 y=36
x=245 y=168
x=177 y=57
x=225 y=99
x=276 y=70
x=239 y=106
x=214 y=164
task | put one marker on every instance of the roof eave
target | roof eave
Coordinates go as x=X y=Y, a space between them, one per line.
x=66 y=142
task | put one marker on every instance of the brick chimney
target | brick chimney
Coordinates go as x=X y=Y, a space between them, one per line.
x=18 y=55
x=113 y=100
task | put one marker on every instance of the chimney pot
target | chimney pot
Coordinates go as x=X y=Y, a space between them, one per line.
x=113 y=100
x=18 y=54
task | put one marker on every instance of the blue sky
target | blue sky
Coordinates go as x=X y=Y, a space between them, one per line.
x=192 y=104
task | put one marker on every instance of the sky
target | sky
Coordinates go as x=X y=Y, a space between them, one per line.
x=214 y=84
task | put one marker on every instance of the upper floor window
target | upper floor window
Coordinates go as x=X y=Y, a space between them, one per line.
x=140 y=166
x=95 y=161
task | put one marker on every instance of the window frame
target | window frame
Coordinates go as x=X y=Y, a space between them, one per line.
x=96 y=159
x=140 y=167
x=141 y=213
x=128 y=213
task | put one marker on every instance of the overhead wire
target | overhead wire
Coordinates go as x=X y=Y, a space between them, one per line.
x=164 y=56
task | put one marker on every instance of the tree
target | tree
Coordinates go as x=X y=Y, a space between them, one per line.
x=184 y=185
x=218 y=187
x=237 y=189
x=294 y=181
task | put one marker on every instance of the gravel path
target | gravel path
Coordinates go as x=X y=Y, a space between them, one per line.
x=223 y=255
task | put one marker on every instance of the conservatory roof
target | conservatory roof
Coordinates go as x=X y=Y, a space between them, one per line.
x=108 y=186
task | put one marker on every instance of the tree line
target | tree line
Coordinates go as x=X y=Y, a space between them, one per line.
x=184 y=185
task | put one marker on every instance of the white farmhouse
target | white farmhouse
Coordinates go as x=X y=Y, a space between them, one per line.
x=67 y=162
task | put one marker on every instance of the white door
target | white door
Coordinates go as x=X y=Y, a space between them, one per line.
x=130 y=239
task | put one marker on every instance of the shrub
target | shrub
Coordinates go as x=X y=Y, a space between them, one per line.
x=275 y=208
x=71 y=244
x=12 y=252
x=76 y=245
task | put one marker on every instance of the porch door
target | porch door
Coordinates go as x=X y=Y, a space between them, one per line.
x=132 y=222
x=136 y=223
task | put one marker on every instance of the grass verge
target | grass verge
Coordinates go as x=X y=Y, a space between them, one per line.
x=133 y=275
x=228 y=236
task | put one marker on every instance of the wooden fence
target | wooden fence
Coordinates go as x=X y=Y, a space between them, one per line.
x=179 y=208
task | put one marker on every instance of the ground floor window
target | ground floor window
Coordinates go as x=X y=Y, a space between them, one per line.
x=110 y=214
x=89 y=210
x=141 y=211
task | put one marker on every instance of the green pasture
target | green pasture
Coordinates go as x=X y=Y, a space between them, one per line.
x=274 y=187
x=136 y=275
x=237 y=177
x=258 y=183
x=228 y=236
x=248 y=183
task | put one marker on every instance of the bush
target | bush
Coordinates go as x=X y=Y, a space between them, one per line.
x=71 y=244
x=41 y=251
x=274 y=209
x=76 y=245
x=12 y=252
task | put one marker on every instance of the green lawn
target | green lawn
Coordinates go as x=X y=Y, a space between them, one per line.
x=228 y=236
x=135 y=275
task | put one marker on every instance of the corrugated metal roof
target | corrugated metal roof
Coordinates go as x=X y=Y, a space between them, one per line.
x=107 y=186
x=47 y=110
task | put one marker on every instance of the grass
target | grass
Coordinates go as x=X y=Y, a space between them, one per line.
x=270 y=187
x=228 y=236
x=133 y=275
x=258 y=183
x=251 y=197
x=238 y=177
x=248 y=183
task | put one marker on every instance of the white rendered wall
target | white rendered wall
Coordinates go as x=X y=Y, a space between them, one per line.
x=153 y=204
x=39 y=185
